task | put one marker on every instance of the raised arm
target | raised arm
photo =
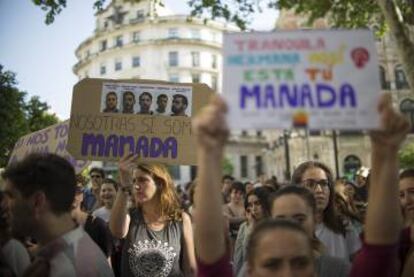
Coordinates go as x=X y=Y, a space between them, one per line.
x=190 y=265
x=384 y=219
x=119 y=220
x=211 y=134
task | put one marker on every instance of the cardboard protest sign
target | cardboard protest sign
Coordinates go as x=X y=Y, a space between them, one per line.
x=49 y=140
x=319 y=79
x=111 y=118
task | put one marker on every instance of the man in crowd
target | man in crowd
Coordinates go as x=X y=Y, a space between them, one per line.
x=227 y=182
x=406 y=186
x=128 y=102
x=91 y=195
x=162 y=101
x=111 y=103
x=145 y=101
x=41 y=189
x=179 y=105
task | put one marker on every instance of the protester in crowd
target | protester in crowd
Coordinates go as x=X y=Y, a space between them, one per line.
x=191 y=191
x=406 y=190
x=94 y=226
x=234 y=210
x=361 y=182
x=91 y=199
x=271 y=183
x=378 y=256
x=345 y=205
x=340 y=239
x=248 y=187
x=107 y=195
x=183 y=198
x=261 y=180
x=406 y=186
x=14 y=258
x=41 y=189
x=227 y=181
x=257 y=208
x=298 y=204
x=158 y=235
x=349 y=190
x=274 y=246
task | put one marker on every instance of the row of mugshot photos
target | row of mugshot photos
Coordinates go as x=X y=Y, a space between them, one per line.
x=146 y=103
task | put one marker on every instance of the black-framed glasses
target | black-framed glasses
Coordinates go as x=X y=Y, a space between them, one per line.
x=312 y=183
x=96 y=176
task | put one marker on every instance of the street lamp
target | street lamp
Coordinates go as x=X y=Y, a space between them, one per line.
x=335 y=145
x=286 y=136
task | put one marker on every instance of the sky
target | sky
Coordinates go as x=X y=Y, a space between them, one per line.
x=42 y=56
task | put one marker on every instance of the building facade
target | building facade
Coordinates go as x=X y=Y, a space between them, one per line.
x=145 y=41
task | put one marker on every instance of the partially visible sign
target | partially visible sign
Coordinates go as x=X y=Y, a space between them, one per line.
x=151 y=118
x=307 y=78
x=52 y=139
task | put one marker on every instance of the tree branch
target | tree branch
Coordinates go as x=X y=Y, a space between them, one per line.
x=405 y=46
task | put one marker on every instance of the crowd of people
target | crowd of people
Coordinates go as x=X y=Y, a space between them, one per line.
x=56 y=223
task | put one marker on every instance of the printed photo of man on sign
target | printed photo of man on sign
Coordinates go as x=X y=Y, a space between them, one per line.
x=146 y=100
x=318 y=79
x=149 y=118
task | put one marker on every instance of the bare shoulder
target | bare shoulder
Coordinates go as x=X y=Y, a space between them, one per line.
x=186 y=219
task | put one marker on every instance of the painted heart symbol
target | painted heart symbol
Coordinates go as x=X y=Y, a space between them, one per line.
x=360 y=56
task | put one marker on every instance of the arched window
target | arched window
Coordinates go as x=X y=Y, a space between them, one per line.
x=351 y=165
x=407 y=108
x=400 y=79
x=383 y=78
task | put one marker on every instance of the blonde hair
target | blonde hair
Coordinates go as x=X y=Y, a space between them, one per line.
x=166 y=193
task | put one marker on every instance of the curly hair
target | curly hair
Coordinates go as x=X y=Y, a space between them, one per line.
x=330 y=215
x=263 y=194
x=166 y=192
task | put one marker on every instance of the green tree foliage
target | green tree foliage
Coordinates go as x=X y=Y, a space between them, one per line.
x=13 y=122
x=228 y=167
x=406 y=156
x=37 y=114
x=18 y=118
x=395 y=15
x=342 y=13
x=54 y=7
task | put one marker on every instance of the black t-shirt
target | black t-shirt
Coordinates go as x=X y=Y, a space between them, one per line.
x=98 y=230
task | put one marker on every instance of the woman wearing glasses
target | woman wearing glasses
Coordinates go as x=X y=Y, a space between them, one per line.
x=339 y=238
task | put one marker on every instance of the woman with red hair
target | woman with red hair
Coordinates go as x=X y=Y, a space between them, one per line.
x=158 y=234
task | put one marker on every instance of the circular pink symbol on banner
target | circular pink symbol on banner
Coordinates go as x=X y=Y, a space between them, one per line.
x=360 y=56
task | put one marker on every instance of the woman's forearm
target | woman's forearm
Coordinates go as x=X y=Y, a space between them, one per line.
x=119 y=219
